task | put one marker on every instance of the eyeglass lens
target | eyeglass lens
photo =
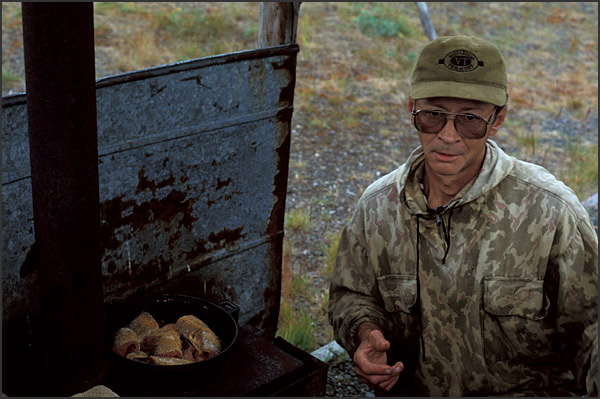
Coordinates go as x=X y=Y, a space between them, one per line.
x=468 y=126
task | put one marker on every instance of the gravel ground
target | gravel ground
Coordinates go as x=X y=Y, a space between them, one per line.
x=342 y=381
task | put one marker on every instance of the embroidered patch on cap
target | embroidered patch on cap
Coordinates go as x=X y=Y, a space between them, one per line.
x=461 y=61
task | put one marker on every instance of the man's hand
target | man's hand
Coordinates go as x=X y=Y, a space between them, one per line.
x=370 y=359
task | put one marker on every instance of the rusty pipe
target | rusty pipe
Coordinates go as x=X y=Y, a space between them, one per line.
x=58 y=43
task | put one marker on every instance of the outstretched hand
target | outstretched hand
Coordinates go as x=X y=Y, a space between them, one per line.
x=370 y=361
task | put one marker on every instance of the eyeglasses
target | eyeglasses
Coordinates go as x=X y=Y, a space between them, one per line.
x=468 y=126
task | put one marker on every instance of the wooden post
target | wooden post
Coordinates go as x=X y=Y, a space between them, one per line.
x=277 y=23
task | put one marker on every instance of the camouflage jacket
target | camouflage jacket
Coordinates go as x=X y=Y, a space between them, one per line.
x=498 y=294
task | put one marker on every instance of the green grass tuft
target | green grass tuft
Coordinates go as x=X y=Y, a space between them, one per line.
x=297 y=219
x=330 y=250
x=296 y=327
x=8 y=77
x=377 y=23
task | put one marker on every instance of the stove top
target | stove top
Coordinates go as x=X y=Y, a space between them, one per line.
x=254 y=367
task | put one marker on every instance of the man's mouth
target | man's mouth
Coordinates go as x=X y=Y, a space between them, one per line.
x=445 y=157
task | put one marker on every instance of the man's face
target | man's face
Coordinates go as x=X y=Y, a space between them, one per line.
x=446 y=152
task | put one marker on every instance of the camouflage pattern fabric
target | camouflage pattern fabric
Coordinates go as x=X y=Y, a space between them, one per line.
x=513 y=310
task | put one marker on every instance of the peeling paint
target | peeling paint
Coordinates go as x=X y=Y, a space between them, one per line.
x=221 y=184
x=193 y=176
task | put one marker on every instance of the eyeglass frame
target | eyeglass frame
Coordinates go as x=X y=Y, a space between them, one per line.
x=488 y=121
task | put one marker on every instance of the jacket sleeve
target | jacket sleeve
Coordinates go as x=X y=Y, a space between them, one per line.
x=577 y=302
x=354 y=297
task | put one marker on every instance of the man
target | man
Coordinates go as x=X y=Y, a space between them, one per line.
x=466 y=271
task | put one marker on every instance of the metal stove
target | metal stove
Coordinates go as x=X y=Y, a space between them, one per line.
x=255 y=367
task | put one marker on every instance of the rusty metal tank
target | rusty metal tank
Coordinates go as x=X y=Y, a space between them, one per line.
x=192 y=162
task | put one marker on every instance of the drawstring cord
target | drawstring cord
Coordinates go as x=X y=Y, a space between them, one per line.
x=437 y=212
x=419 y=291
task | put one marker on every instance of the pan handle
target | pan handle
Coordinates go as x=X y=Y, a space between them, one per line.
x=231 y=308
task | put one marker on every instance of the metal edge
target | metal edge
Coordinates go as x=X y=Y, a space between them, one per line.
x=112 y=80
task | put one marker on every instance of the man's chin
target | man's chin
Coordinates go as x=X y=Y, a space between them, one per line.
x=444 y=168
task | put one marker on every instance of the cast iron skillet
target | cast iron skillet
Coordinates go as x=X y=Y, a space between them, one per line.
x=133 y=377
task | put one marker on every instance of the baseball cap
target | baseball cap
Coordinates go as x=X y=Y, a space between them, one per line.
x=462 y=67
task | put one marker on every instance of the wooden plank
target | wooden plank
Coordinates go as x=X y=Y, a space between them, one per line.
x=277 y=23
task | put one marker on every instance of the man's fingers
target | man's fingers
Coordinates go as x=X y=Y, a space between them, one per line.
x=381 y=379
x=370 y=362
x=398 y=366
x=368 y=374
x=387 y=385
x=368 y=368
x=383 y=382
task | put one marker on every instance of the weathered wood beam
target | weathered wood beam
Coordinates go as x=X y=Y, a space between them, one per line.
x=277 y=23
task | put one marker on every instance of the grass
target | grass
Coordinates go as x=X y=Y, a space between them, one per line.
x=330 y=250
x=9 y=78
x=580 y=168
x=296 y=327
x=377 y=23
x=295 y=321
x=528 y=139
x=297 y=219
x=179 y=30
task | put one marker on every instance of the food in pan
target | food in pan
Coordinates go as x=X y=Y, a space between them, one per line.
x=143 y=325
x=203 y=341
x=150 y=339
x=168 y=361
x=165 y=342
x=125 y=342
x=187 y=341
x=139 y=355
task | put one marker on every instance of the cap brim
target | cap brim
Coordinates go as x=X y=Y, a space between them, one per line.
x=469 y=91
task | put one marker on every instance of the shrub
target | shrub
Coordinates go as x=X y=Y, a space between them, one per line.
x=376 y=24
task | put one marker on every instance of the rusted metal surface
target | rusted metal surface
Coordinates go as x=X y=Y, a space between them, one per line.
x=192 y=165
x=60 y=74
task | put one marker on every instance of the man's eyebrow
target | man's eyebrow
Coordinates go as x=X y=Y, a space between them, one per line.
x=431 y=104
x=466 y=109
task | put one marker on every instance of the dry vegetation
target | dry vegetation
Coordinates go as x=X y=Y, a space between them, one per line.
x=349 y=124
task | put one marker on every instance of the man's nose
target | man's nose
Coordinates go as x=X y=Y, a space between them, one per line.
x=449 y=133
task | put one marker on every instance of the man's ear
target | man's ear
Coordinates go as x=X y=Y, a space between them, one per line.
x=409 y=108
x=499 y=120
